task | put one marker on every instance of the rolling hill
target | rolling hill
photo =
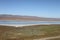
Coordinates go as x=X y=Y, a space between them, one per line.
x=26 y=18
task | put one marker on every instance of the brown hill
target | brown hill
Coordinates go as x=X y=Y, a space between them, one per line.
x=26 y=18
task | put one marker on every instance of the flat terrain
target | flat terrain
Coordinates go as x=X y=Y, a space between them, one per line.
x=29 y=32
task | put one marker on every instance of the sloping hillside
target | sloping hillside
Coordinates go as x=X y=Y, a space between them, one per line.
x=26 y=18
x=28 y=32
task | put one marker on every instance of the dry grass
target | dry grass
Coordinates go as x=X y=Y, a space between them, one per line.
x=55 y=39
x=28 y=32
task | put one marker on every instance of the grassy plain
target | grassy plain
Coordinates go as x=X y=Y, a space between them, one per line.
x=28 y=32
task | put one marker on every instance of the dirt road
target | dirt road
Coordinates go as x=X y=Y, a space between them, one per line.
x=48 y=38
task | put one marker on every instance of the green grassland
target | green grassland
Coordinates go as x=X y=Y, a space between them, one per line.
x=28 y=32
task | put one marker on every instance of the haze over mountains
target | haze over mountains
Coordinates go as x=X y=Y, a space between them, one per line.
x=26 y=18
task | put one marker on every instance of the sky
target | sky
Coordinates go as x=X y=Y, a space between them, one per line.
x=40 y=8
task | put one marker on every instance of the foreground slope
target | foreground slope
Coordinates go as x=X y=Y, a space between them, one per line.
x=29 y=32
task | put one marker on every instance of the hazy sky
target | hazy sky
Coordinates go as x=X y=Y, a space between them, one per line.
x=41 y=8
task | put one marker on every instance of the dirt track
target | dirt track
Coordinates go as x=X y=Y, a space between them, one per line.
x=48 y=38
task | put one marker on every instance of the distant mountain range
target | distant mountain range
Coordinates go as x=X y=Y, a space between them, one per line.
x=26 y=18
